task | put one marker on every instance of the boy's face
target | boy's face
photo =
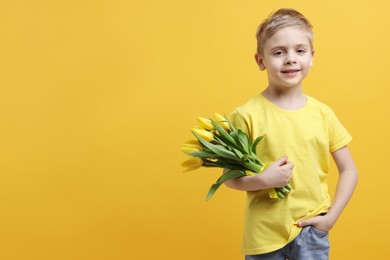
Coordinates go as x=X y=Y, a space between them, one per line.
x=287 y=57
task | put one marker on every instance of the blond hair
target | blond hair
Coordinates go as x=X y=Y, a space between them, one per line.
x=282 y=18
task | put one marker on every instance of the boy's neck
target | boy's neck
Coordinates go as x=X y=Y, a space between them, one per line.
x=290 y=99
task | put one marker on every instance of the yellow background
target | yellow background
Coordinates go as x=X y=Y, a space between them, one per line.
x=97 y=96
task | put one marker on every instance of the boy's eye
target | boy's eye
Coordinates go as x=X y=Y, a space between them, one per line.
x=277 y=53
x=301 y=50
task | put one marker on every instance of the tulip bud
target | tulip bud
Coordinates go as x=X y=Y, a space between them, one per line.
x=192 y=163
x=191 y=147
x=222 y=121
x=205 y=123
x=206 y=135
x=194 y=142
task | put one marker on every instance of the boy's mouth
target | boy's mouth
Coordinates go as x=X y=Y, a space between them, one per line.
x=290 y=72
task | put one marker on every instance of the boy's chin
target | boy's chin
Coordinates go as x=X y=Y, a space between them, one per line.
x=286 y=85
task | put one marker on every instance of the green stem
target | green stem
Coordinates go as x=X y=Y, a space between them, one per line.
x=253 y=167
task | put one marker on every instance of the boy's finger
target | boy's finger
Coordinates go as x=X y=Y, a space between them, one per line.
x=307 y=222
x=288 y=166
x=282 y=160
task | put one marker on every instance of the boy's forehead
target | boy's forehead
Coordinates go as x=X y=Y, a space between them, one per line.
x=288 y=36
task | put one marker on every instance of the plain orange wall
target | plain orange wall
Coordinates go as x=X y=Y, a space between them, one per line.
x=96 y=98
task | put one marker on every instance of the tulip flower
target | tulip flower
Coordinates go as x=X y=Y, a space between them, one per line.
x=205 y=123
x=222 y=121
x=192 y=163
x=194 y=142
x=189 y=148
x=206 y=135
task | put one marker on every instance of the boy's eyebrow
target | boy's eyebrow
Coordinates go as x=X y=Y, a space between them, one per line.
x=296 y=46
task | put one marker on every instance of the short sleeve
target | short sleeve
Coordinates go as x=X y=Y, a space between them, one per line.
x=338 y=135
x=238 y=121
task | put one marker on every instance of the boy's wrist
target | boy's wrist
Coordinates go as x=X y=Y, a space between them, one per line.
x=262 y=182
x=331 y=217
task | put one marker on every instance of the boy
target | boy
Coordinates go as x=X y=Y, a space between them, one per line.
x=300 y=133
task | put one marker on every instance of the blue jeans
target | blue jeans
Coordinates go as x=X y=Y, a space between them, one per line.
x=310 y=244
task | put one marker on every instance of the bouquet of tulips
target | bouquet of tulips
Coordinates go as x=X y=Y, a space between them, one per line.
x=219 y=144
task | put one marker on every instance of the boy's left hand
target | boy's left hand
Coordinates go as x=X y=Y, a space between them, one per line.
x=323 y=223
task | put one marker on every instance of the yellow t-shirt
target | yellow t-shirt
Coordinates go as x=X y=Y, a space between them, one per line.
x=306 y=136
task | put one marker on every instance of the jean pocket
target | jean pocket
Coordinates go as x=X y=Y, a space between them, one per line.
x=318 y=232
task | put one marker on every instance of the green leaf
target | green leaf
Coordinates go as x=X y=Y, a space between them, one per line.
x=239 y=153
x=204 y=154
x=255 y=159
x=225 y=177
x=212 y=190
x=234 y=135
x=258 y=139
x=232 y=174
x=244 y=140
x=217 y=149
x=210 y=164
x=225 y=136
x=222 y=142
x=231 y=164
x=231 y=126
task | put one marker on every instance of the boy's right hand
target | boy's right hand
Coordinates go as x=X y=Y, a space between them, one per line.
x=274 y=176
x=277 y=174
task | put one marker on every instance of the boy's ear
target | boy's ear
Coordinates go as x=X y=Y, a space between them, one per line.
x=260 y=61
x=311 y=60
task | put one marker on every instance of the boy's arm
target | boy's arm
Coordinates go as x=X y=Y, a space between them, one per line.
x=345 y=186
x=276 y=175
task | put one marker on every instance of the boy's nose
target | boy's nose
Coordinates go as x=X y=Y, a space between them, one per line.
x=290 y=59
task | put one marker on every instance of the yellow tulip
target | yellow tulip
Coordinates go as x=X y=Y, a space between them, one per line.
x=206 y=135
x=189 y=147
x=222 y=121
x=194 y=142
x=205 y=123
x=192 y=163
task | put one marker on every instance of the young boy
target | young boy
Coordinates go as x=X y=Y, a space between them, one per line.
x=299 y=135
